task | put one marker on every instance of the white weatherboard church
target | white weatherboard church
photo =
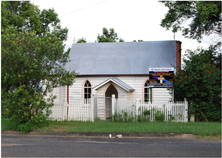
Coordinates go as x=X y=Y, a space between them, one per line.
x=118 y=68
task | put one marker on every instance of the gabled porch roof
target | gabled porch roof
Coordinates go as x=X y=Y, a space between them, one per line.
x=117 y=82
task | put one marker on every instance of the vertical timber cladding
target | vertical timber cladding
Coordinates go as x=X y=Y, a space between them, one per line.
x=160 y=80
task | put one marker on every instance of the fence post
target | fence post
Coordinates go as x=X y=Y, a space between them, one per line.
x=64 y=110
x=137 y=104
x=92 y=107
x=67 y=105
x=113 y=104
x=186 y=110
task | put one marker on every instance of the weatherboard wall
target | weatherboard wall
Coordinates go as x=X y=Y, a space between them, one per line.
x=76 y=91
x=137 y=82
x=161 y=95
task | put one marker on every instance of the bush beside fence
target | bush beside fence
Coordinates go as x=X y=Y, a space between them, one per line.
x=124 y=110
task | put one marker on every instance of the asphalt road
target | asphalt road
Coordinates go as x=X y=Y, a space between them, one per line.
x=43 y=146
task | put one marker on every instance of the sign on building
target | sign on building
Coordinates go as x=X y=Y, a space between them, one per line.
x=161 y=77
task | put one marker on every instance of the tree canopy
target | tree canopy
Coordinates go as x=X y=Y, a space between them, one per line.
x=138 y=40
x=200 y=79
x=205 y=17
x=27 y=17
x=32 y=62
x=81 y=40
x=108 y=36
x=200 y=83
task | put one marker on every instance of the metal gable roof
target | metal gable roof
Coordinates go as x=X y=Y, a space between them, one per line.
x=117 y=82
x=120 y=57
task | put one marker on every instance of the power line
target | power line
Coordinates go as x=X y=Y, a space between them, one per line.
x=82 y=8
x=187 y=41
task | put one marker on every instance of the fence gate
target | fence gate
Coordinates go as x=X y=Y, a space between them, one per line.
x=108 y=107
x=103 y=107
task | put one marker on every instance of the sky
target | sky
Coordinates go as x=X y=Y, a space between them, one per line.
x=131 y=20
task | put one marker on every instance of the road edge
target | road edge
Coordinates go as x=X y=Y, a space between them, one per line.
x=102 y=134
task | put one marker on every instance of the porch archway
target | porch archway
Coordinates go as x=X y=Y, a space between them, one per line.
x=108 y=100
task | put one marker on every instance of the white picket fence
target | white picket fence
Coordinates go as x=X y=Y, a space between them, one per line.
x=59 y=112
x=75 y=111
x=81 y=111
x=177 y=111
x=84 y=110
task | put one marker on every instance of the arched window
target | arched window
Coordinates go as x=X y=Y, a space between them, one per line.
x=87 y=90
x=146 y=91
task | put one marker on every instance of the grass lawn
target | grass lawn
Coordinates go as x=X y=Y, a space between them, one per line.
x=202 y=130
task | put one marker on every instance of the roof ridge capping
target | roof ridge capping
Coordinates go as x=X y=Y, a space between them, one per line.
x=127 y=42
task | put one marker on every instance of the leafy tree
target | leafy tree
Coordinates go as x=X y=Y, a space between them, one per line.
x=121 y=40
x=200 y=83
x=20 y=14
x=81 y=40
x=27 y=17
x=200 y=79
x=138 y=40
x=205 y=18
x=32 y=58
x=108 y=36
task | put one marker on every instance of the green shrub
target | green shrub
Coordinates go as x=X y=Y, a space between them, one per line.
x=200 y=83
x=24 y=111
x=146 y=112
x=171 y=118
x=159 y=116
x=115 y=116
x=26 y=127
x=125 y=114
x=140 y=118
x=131 y=118
x=3 y=106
